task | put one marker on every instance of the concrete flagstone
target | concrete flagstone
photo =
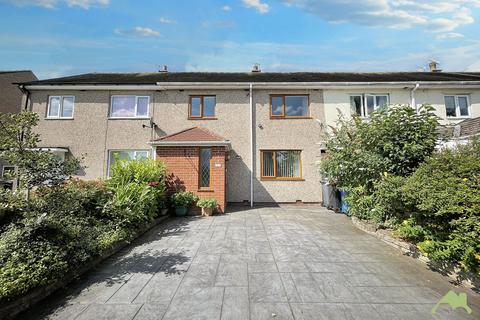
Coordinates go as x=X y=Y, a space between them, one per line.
x=253 y=264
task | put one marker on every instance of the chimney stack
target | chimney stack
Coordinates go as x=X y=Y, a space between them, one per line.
x=256 y=67
x=164 y=69
x=434 y=66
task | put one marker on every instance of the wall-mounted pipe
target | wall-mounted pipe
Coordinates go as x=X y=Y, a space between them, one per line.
x=413 y=103
x=252 y=146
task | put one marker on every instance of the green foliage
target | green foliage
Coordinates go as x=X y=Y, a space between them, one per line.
x=348 y=163
x=19 y=147
x=138 y=188
x=207 y=203
x=138 y=171
x=410 y=231
x=184 y=199
x=445 y=195
x=395 y=140
x=400 y=135
x=361 y=203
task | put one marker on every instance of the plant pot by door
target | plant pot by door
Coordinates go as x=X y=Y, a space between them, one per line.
x=181 y=211
x=207 y=211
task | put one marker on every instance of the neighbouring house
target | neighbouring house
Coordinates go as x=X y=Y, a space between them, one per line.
x=460 y=133
x=12 y=100
x=238 y=137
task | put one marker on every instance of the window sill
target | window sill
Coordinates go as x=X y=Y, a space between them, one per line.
x=128 y=118
x=204 y=118
x=281 y=179
x=205 y=190
x=289 y=118
x=59 y=118
x=458 y=118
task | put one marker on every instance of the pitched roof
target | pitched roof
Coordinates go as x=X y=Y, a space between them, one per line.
x=196 y=134
x=469 y=127
x=202 y=77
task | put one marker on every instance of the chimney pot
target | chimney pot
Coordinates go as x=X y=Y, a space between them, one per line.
x=256 y=68
x=434 y=66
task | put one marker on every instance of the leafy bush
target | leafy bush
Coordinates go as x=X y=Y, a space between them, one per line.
x=134 y=204
x=184 y=199
x=207 y=203
x=139 y=171
x=445 y=196
x=138 y=188
x=395 y=140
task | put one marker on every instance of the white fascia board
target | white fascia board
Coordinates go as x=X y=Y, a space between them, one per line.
x=265 y=85
x=91 y=87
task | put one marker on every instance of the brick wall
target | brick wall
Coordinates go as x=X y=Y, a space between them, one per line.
x=183 y=167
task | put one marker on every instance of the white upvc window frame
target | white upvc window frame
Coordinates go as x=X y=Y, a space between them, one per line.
x=457 y=106
x=363 y=107
x=60 y=109
x=3 y=170
x=136 y=106
x=135 y=151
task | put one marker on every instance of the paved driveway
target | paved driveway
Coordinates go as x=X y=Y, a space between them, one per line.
x=266 y=263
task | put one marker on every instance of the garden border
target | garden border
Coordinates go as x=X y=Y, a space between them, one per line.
x=11 y=309
x=451 y=270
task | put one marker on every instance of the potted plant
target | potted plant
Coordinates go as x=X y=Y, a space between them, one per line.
x=182 y=202
x=207 y=206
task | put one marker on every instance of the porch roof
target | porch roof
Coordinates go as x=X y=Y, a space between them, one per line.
x=196 y=136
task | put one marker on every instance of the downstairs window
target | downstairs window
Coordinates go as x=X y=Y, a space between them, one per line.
x=281 y=165
x=116 y=155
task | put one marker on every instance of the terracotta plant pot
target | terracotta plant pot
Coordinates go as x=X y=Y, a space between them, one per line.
x=207 y=211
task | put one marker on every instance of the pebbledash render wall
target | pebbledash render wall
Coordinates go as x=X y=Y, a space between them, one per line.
x=92 y=134
x=183 y=167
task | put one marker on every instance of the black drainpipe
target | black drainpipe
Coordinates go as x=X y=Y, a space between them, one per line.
x=25 y=91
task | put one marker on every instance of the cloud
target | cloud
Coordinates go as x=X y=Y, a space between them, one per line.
x=52 y=4
x=258 y=5
x=226 y=8
x=433 y=15
x=138 y=31
x=166 y=20
x=449 y=35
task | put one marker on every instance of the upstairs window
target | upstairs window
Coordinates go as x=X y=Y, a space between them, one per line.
x=457 y=106
x=202 y=107
x=289 y=106
x=281 y=165
x=60 y=107
x=129 y=107
x=364 y=104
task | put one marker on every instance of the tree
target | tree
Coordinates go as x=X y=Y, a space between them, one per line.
x=19 y=147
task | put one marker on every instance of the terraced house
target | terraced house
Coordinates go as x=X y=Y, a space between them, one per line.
x=238 y=137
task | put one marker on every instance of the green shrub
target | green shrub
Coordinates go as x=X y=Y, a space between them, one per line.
x=134 y=204
x=138 y=188
x=184 y=199
x=139 y=171
x=360 y=203
x=207 y=203
x=445 y=196
x=395 y=140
